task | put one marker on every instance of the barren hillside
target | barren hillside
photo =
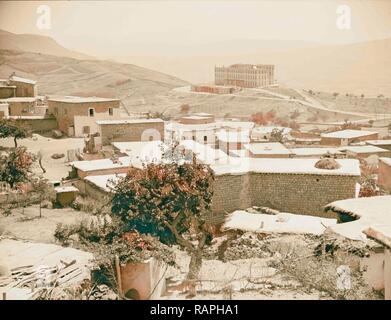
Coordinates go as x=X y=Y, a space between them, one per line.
x=36 y=43
x=68 y=76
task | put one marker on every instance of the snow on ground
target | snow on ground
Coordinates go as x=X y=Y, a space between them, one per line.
x=55 y=168
x=24 y=223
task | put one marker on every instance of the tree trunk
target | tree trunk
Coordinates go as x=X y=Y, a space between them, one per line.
x=16 y=143
x=40 y=164
x=194 y=272
x=195 y=265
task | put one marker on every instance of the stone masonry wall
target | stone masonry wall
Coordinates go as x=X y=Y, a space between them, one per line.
x=131 y=132
x=294 y=193
x=384 y=176
x=66 y=111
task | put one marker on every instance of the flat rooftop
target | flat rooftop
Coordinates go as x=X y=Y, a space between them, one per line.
x=269 y=129
x=20 y=79
x=128 y=121
x=347 y=134
x=267 y=148
x=104 y=182
x=363 y=149
x=280 y=223
x=204 y=153
x=233 y=136
x=102 y=164
x=379 y=142
x=73 y=99
x=387 y=161
x=381 y=233
x=314 y=151
x=176 y=126
x=370 y=211
x=19 y=99
x=65 y=189
x=348 y=167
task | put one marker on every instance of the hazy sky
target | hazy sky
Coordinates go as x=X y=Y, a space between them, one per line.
x=93 y=27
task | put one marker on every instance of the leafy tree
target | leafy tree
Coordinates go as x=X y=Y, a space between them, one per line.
x=184 y=108
x=15 y=166
x=169 y=200
x=41 y=188
x=263 y=119
x=277 y=135
x=10 y=128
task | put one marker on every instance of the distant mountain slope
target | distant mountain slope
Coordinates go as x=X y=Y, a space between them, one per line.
x=36 y=43
x=68 y=76
x=353 y=68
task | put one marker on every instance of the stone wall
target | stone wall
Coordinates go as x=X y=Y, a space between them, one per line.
x=384 y=176
x=128 y=132
x=40 y=125
x=21 y=108
x=65 y=112
x=24 y=89
x=7 y=92
x=295 y=193
x=343 y=142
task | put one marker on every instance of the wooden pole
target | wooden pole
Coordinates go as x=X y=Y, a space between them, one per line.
x=119 y=278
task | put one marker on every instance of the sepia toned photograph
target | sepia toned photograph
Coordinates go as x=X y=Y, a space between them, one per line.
x=195 y=151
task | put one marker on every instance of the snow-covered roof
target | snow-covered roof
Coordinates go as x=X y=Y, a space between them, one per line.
x=195 y=117
x=280 y=223
x=33 y=117
x=128 y=121
x=66 y=189
x=24 y=80
x=314 y=151
x=269 y=129
x=74 y=99
x=176 y=126
x=238 y=153
x=380 y=232
x=348 y=167
x=368 y=211
x=245 y=125
x=362 y=149
x=203 y=114
x=379 y=142
x=143 y=151
x=101 y=164
x=347 y=134
x=204 y=153
x=182 y=127
x=233 y=136
x=267 y=148
x=19 y=99
x=313 y=140
x=104 y=182
x=387 y=161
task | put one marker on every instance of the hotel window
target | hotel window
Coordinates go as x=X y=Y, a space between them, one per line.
x=91 y=112
x=205 y=139
x=110 y=111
